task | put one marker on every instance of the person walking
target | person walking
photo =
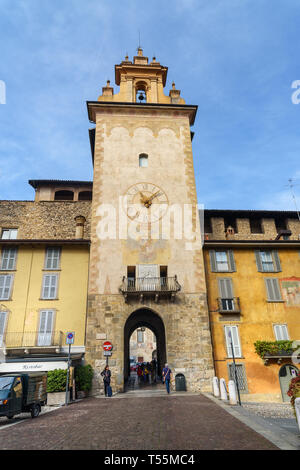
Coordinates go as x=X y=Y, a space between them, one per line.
x=166 y=377
x=106 y=374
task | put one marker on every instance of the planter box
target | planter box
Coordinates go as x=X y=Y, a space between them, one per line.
x=57 y=398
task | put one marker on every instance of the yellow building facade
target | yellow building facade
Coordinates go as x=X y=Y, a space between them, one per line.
x=253 y=286
x=43 y=284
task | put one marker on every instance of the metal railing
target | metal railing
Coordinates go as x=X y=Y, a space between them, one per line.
x=150 y=284
x=33 y=339
x=230 y=305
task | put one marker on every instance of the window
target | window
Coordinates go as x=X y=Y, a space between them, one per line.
x=9 y=234
x=143 y=160
x=49 y=289
x=267 y=261
x=8 y=259
x=3 y=317
x=45 y=328
x=227 y=301
x=85 y=196
x=230 y=222
x=140 y=336
x=18 y=389
x=256 y=226
x=273 y=290
x=5 y=286
x=241 y=376
x=52 y=258
x=222 y=261
x=232 y=335
x=281 y=332
x=64 y=196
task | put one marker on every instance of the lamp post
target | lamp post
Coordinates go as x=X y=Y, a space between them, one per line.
x=234 y=368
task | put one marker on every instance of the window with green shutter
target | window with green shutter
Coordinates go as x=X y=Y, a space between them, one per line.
x=267 y=261
x=273 y=290
x=222 y=261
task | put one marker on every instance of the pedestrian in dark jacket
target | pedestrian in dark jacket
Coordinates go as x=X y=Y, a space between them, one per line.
x=106 y=374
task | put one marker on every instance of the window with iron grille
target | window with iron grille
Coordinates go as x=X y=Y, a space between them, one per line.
x=8 y=259
x=241 y=376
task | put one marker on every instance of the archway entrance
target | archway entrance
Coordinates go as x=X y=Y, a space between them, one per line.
x=145 y=318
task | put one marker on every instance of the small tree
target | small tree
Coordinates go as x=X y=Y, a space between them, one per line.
x=83 y=377
x=56 y=381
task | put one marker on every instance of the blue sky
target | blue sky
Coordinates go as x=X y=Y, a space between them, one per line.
x=235 y=59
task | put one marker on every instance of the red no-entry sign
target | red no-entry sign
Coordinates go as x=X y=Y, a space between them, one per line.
x=107 y=346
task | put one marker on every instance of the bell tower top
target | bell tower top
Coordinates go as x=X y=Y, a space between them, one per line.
x=141 y=82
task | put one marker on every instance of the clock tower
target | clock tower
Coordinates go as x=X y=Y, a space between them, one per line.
x=146 y=262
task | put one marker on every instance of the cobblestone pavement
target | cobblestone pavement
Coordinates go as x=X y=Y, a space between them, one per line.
x=270 y=410
x=174 y=422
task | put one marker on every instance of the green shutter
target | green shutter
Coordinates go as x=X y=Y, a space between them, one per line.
x=258 y=261
x=276 y=261
x=273 y=289
x=225 y=288
x=213 y=263
x=231 y=261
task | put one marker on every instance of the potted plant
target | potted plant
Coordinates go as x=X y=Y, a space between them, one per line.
x=83 y=380
x=294 y=390
x=56 y=387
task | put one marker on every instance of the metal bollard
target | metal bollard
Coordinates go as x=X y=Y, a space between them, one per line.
x=297 y=408
x=216 y=389
x=223 y=390
x=232 y=393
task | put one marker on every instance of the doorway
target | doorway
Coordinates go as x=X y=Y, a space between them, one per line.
x=141 y=322
x=286 y=374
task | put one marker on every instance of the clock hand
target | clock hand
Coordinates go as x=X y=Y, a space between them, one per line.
x=152 y=197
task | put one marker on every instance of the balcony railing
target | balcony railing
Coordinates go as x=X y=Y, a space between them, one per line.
x=157 y=286
x=231 y=305
x=33 y=339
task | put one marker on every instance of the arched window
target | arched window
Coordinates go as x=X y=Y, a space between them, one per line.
x=143 y=160
x=141 y=92
x=85 y=196
x=64 y=196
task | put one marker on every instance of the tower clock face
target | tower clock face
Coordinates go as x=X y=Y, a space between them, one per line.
x=145 y=203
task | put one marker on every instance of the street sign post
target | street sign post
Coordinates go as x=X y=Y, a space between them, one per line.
x=69 y=340
x=107 y=348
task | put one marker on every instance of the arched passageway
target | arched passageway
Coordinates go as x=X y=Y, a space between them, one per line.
x=145 y=317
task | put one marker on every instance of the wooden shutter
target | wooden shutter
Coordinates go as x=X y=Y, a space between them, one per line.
x=273 y=289
x=213 y=262
x=49 y=286
x=8 y=259
x=5 y=286
x=235 y=341
x=258 y=261
x=281 y=332
x=52 y=258
x=2 y=326
x=231 y=261
x=45 y=329
x=276 y=259
x=225 y=288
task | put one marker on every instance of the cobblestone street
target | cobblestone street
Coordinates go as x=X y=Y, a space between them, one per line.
x=128 y=422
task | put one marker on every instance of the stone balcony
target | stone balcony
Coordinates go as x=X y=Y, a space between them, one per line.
x=156 y=287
